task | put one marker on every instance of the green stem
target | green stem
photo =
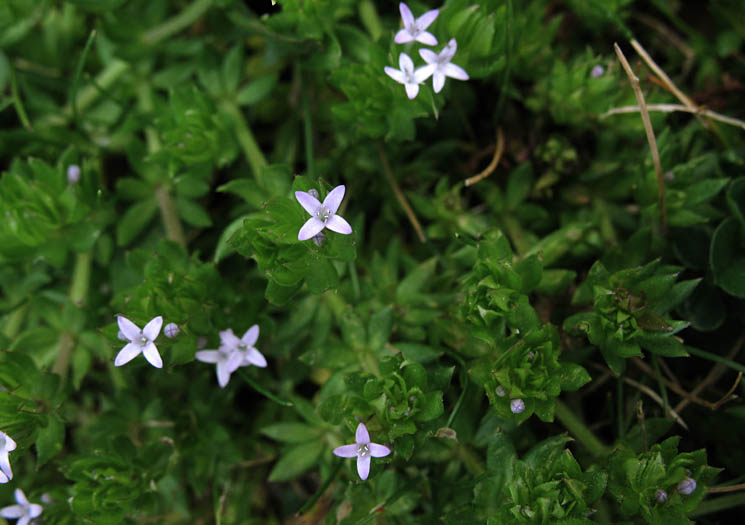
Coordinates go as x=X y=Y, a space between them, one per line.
x=14 y=321
x=717 y=359
x=579 y=430
x=619 y=407
x=17 y=102
x=263 y=391
x=81 y=277
x=718 y=504
x=470 y=460
x=90 y=93
x=370 y=19
x=661 y=384
x=248 y=143
x=169 y=214
x=177 y=23
x=312 y=501
x=308 y=129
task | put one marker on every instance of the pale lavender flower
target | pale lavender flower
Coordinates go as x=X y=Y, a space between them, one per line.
x=597 y=71
x=6 y=445
x=407 y=75
x=415 y=29
x=322 y=215
x=23 y=511
x=233 y=354
x=439 y=66
x=140 y=341
x=363 y=450
x=73 y=174
x=517 y=406
x=687 y=486
x=660 y=495
x=171 y=330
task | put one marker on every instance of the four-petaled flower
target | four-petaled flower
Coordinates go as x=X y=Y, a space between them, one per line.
x=439 y=66
x=140 y=341
x=414 y=29
x=23 y=511
x=363 y=450
x=322 y=215
x=233 y=353
x=407 y=75
x=6 y=445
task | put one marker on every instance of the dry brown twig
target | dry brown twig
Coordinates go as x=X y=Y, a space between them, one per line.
x=494 y=161
x=669 y=108
x=650 y=134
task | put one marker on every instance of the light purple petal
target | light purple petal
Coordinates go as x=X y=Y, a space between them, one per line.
x=223 y=373
x=406 y=15
x=424 y=21
x=10 y=445
x=412 y=90
x=339 y=225
x=429 y=56
x=5 y=465
x=34 y=510
x=361 y=436
x=308 y=202
x=438 y=81
x=25 y=519
x=311 y=228
x=3 y=478
x=424 y=72
x=456 y=72
x=229 y=339
x=346 y=451
x=14 y=511
x=126 y=354
x=128 y=328
x=378 y=451
x=403 y=36
x=405 y=63
x=395 y=74
x=426 y=38
x=363 y=467
x=20 y=497
x=449 y=50
x=251 y=336
x=334 y=198
x=151 y=354
x=208 y=356
x=152 y=329
x=234 y=361
x=255 y=358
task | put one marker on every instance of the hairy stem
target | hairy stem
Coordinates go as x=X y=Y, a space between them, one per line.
x=177 y=23
x=246 y=140
x=579 y=430
x=81 y=277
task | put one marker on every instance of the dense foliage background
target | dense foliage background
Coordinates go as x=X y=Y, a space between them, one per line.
x=604 y=293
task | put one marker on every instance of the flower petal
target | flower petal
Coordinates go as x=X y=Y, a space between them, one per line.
x=429 y=56
x=126 y=354
x=346 y=451
x=334 y=198
x=406 y=15
x=251 y=336
x=339 y=225
x=5 y=465
x=223 y=373
x=449 y=50
x=456 y=72
x=424 y=72
x=3 y=477
x=361 y=436
x=363 y=467
x=255 y=358
x=308 y=202
x=229 y=339
x=208 y=356
x=403 y=36
x=14 y=511
x=412 y=90
x=438 y=81
x=234 y=361
x=311 y=228
x=426 y=38
x=405 y=63
x=378 y=451
x=151 y=354
x=25 y=519
x=424 y=21
x=10 y=445
x=20 y=497
x=128 y=328
x=34 y=510
x=152 y=329
x=395 y=74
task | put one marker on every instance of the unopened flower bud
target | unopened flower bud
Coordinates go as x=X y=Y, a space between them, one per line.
x=597 y=71
x=687 y=486
x=660 y=496
x=517 y=406
x=73 y=174
x=314 y=192
x=171 y=330
x=500 y=391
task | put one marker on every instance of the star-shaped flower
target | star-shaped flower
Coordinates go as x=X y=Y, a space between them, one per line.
x=322 y=215
x=439 y=66
x=363 y=450
x=233 y=353
x=140 y=341
x=414 y=29
x=23 y=511
x=407 y=75
x=6 y=445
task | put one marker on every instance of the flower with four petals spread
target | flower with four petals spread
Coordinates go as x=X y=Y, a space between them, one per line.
x=439 y=66
x=6 y=445
x=363 y=450
x=323 y=215
x=407 y=75
x=414 y=29
x=233 y=353
x=140 y=341
x=23 y=511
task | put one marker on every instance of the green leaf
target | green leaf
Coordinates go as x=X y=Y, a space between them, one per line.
x=415 y=281
x=232 y=69
x=256 y=90
x=519 y=184
x=291 y=432
x=573 y=376
x=193 y=213
x=417 y=352
x=379 y=329
x=296 y=460
x=49 y=441
x=134 y=221
x=727 y=257
x=321 y=275
x=661 y=344
x=431 y=407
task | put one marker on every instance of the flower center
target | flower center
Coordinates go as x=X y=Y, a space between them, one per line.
x=363 y=450
x=323 y=213
x=141 y=340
